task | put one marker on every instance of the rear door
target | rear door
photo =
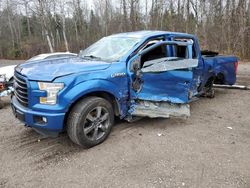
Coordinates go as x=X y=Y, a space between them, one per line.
x=197 y=71
x=158 y=81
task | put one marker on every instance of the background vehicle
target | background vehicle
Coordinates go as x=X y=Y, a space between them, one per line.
x=8 y=71
x=146 y=73
x=52 y=56
x=5 y=88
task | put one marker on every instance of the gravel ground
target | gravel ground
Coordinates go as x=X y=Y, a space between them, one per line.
x=209 y=149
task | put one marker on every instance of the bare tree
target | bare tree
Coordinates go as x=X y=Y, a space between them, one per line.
x=9 y=13
x=29 y=27
x=64 y=25
x=44 y=23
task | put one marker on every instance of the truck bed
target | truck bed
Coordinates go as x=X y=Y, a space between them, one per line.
x=223 y=67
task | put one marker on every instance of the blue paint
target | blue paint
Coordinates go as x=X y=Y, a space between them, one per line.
x=171 y=86
x=82 y=77
x=224 y=66
x=60 y=67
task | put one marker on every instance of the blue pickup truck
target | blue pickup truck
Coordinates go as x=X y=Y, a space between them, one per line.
x=128 y=75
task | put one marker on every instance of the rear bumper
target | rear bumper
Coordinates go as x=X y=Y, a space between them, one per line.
x=41 y=121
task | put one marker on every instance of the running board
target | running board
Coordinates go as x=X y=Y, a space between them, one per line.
x=160 y=109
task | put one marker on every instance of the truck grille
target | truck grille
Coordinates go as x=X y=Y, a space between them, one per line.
x=21 y=89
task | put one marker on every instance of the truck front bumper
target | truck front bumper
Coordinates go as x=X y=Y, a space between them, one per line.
x=48 y=124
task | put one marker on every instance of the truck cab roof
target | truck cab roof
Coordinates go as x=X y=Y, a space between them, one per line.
x=150 y=33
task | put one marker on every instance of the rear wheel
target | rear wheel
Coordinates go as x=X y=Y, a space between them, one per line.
x=208 y=88
x=90 y=121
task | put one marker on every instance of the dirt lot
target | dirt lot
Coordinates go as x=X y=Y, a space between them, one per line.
x=210 y=149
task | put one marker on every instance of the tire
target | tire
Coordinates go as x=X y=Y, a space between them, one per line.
x=90 y=121
x=208 y=89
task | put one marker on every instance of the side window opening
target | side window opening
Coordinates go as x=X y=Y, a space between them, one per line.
x=151 y=42
x=178 y=58
x=156 y=53
x=164 y=52
x=165 y=56
x=180 y=51
x=148 y=44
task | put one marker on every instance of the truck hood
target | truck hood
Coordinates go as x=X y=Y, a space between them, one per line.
x=48 y=70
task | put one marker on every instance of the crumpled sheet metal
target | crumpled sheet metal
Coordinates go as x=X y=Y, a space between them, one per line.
x=166 y=64
x=169 y=86
x=160 y=109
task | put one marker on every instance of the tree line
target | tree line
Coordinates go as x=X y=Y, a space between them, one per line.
x=30 y=27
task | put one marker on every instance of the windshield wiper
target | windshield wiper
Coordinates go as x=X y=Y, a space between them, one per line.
x=91 y=57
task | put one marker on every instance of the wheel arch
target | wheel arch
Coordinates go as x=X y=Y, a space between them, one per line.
x=219 y=78
x=102 y=94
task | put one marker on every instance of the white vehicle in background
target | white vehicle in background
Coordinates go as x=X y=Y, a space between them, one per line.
x=7 y=72
x=52 y=56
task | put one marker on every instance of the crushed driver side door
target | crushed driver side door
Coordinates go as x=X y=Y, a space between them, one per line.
x=161 y=87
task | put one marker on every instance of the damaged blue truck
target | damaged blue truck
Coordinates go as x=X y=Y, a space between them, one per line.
x=128 y=75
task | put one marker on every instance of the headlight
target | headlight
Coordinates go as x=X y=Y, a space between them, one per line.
x=52 y=91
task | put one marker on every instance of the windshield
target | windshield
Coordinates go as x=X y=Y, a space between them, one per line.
x=109 y=48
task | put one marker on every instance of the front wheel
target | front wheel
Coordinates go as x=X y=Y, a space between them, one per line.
x=90 y=121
